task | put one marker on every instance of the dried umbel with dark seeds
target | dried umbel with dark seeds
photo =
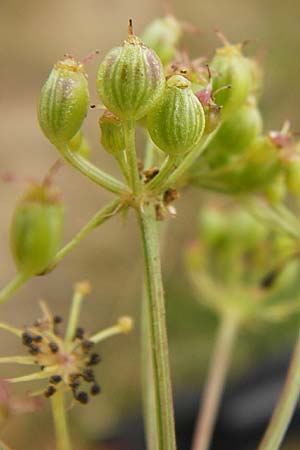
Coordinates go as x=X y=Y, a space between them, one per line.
x=63 y=360
x=36 y=229
x=130 y=79
x=176 y=124
x=64 y=101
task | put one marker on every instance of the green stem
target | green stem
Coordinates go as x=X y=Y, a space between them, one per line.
x=15 y=284
x=60 y=421
x=99 y=218
x=215 y=383
x=148 y=393
x=122 y=165
x=187 y=162
x=129 y=131
x=157 y=329
x=286 y=405
x=91 y=171
x=166 y=169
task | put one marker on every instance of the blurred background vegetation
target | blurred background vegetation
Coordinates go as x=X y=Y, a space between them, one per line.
x=35 y=34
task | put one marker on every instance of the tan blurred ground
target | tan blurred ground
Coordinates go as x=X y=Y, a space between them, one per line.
x=33 y=35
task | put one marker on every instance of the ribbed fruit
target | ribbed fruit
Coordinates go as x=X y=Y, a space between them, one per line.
x=130 y=79
x=64 y=101
x=176 y=124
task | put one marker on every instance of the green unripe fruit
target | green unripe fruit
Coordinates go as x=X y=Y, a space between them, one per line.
x=130 y=79
x=79 y=144
x=36 y=230
x=232 y=69
x=64 y=101
x=212 y=226
x=245 y=229
x=240 y=129
x=112 y=133
x=162 y=35
x=176 y=124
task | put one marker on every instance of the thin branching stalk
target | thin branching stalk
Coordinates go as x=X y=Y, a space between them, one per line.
x=92 y=172
x=215 y=383
x=166 y=169
x=129 y=132
x=286 y=405
x=98 y=219
x=60 y=421
x=187 y=162
x=11 y=288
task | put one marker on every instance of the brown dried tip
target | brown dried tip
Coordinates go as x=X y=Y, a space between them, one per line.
x=130 y=28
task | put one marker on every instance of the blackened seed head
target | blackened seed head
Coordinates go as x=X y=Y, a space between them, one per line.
x=95 y=389
x=53 y=347
x=82 y=397
x=55 y=379
x=57 y=319
x=79 y=333
x=42 y=367
x=87 y=345
x=88 y=375
x=74 y=385
x=94 y=359
x=26 y=338
x=50 y=391
x=38 y=338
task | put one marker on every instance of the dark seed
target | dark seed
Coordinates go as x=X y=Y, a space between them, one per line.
x=55 y=379
x=79 y=333
x=57 y=319
x=88 y=375
x=94 y=359
x=95 y=389
x=34 y=350
x=53 y=347
x=38 y=338
x=82 y=397
x=26 y=338
x=50 y=391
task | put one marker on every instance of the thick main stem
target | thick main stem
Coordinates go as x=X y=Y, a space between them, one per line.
x=163 y=409
x=286 y=405
x=215 y=384
x=60 y=421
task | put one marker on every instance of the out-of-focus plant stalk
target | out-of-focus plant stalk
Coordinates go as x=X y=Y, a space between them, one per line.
x=286 y=405
x=215 y=383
